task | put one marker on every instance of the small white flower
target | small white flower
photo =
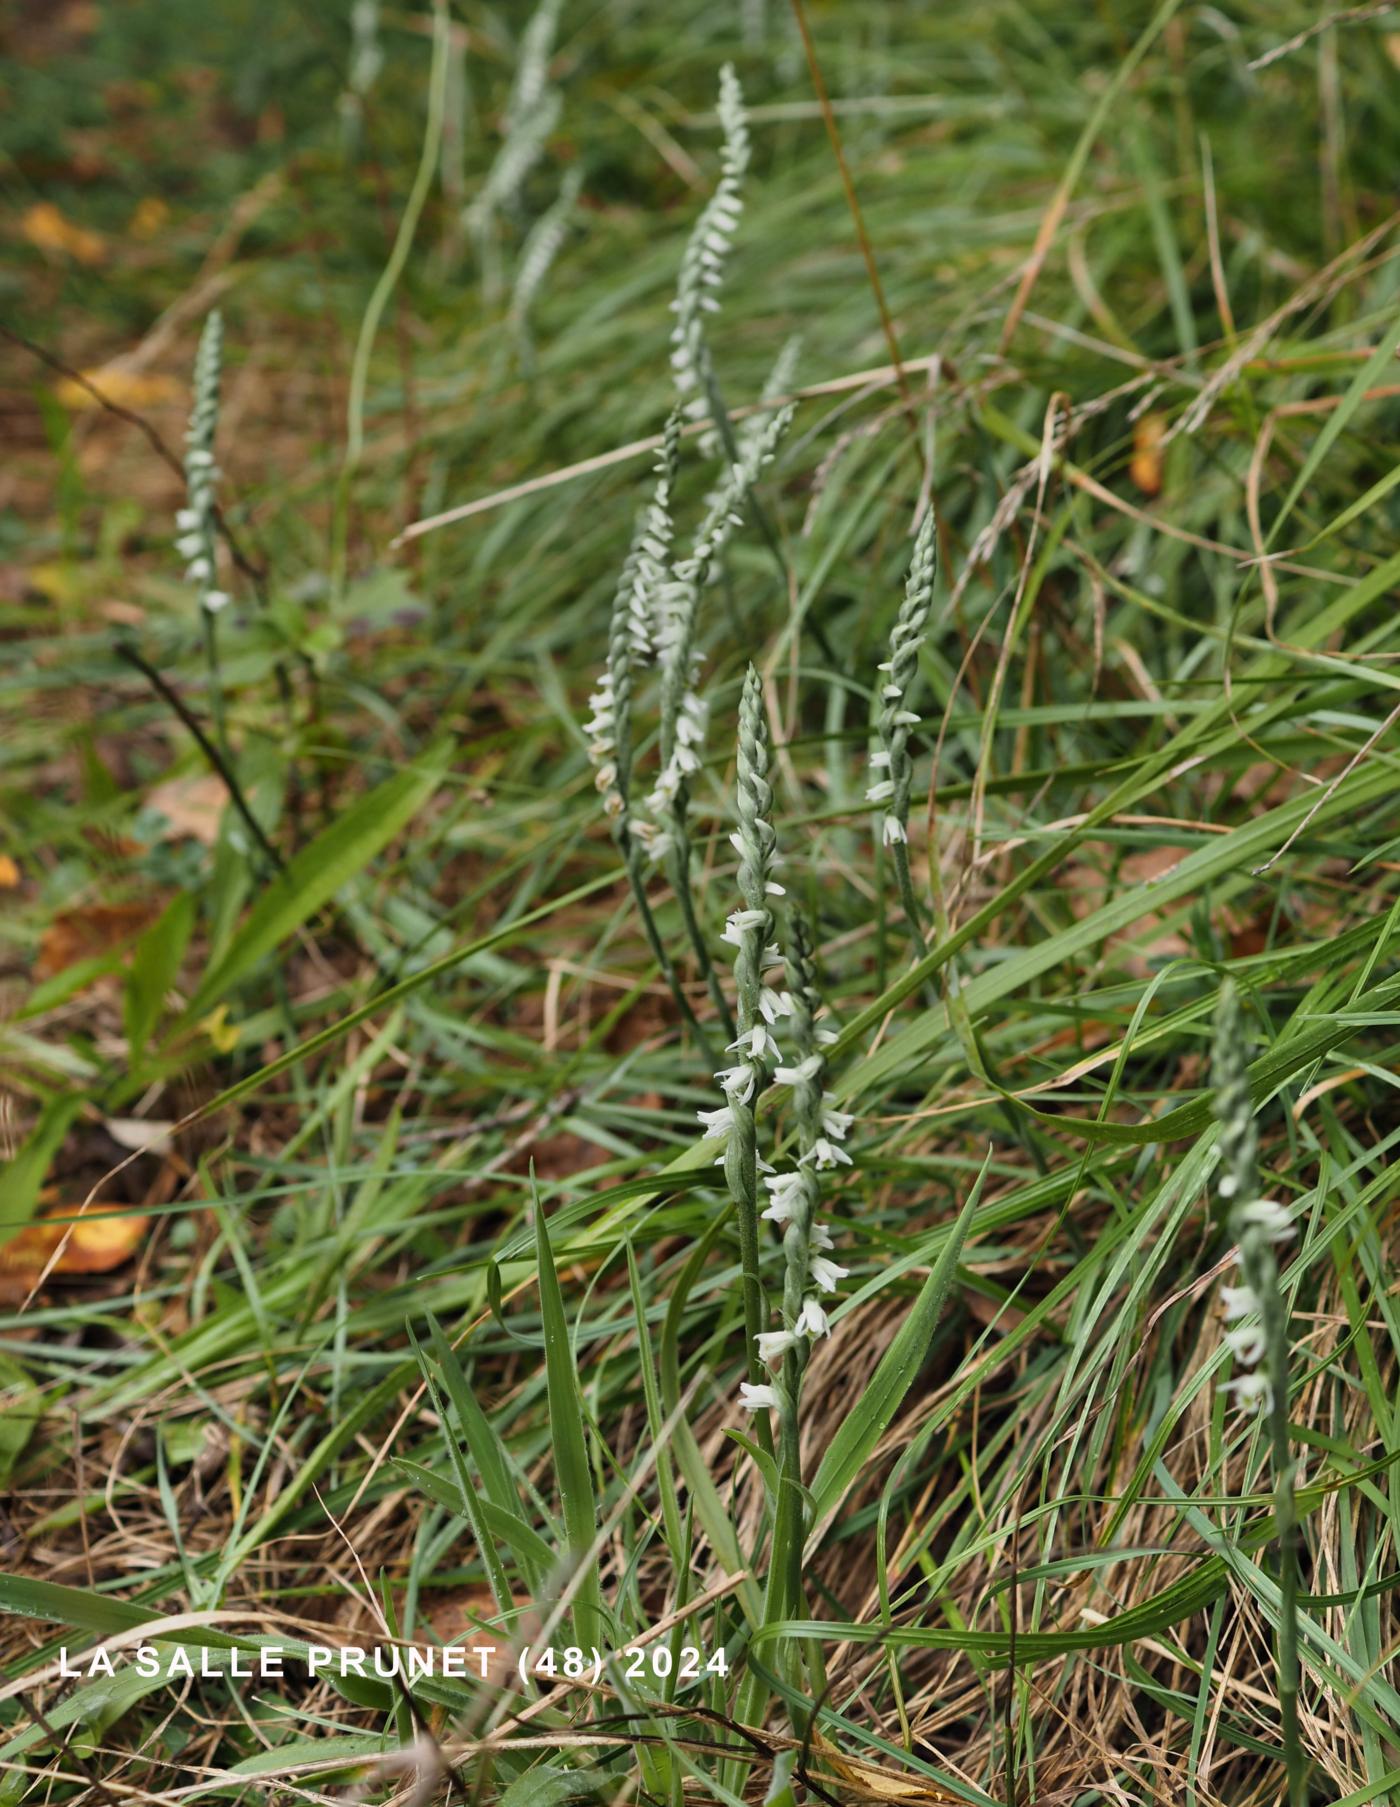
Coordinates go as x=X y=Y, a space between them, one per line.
x=812 y=1320
x=906 y=718
x=689 y=731
x=198 y=570
x=190 y=545
x=1246 y=1343
x=819 y=1238
x=880 y=762
x=740 y=920
x=1252 y=1390
x=186 y=518
x=717 y=1123
x=214 y=600
x=773 y=1345
x=807 y=1069
x=892 y=693
x=894 y=831
x=1268 y=1215
x=785 y=1195
x=774 y=1004
x=825 y=1154
x=737 y=1083
x=1239 y=1302
x=758 y=1399
x=881 y=792
x=773 y=890
x=826 y=1037
x=837 y=1124
x=771 y=955
x=825 y=1274
x=755 y=1043
x=1229 y=1186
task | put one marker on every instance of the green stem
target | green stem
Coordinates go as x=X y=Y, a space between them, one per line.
x=632 y=861
x=383 y=289
x=680 y=883
x=216 y=688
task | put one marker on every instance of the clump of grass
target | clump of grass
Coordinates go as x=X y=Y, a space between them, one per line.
x=998 y=1549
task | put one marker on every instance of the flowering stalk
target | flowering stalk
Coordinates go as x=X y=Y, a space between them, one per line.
x=537 y=255
x=531 y=114
x=749 y=930
x=609 y=727
x=684 y=712
x=702 y=265
x=891 y=767
x=1259 y=1340
x=809 y=1271
x=197 y=542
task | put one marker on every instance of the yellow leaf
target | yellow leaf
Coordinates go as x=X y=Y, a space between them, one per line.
x=150 y=216
x=220 y=1031
x=124 y=388
x=1146 y=466
x=49 y=230
x=59 y=581
x=9 y=873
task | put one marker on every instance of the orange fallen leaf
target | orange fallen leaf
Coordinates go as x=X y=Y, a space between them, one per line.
x=96 y=1243
x=90 y=930
x=1145 y=469
x=123 y=388
x=192 y=806
x=9 y=873
x=47 y=229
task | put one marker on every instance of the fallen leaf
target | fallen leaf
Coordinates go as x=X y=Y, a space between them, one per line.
x=96 y=1243
x=149 y=218
x=1145 y=469
x=9 y=873
x=141 y=1135
x=49 y=230
x=192 y=806
x=220 y=1031
x=123 y=388
x=91 y=930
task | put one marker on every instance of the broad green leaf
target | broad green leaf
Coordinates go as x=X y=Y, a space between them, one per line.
x=469 y=1501
x=868 y=1420
x=154 y=968
x=572 y=1469
x=22 y=1178
x=528 y=1545
x=314 y=876
x=20 y=1404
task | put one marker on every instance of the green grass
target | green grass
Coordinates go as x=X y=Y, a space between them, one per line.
x=433 y=1316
